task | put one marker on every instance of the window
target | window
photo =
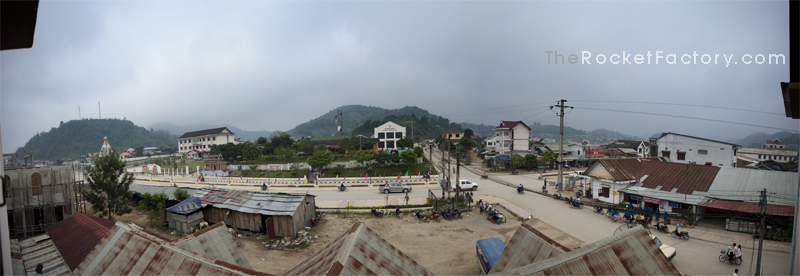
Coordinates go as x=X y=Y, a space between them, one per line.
x=449 y=136
x=702 y=151
x=390 y=144
x=215 y=138
x=456 y=135
x=759 y=156
x=398 y=135
x=605 y=192
x=36 y=183
x=665 y=153
x=681 y=155
x=381 y=135
x=390 y=135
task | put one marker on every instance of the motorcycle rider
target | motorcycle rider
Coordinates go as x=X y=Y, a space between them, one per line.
x=738 y=254
x=732 y=252
x=544 y=188
x=519 y=190
x=342 y=187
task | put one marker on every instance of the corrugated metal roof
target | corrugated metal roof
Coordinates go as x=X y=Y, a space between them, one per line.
x=492 y=248
x=41 y=250
x=745 y=184
x=77 y=235
x=17 y=267
x=686 y=178
x=748 y=207
x=126 y=251
x=204 y=132
x=214 y=242
x=359 y=251
x=168 y=190
x=187 y=206
x=631 y=252
x=692 y=199
x=272 y=204
x=527 y=246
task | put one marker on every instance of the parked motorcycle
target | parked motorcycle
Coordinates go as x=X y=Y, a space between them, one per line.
x=662 y=228
x=446 y=215
x=485 y=176
x=557 y=196
x=398 y=213
x=579 y=194
x=435 y=216
x=514 y=172
x=598 y=209
x=455 y=213
x=420 y=217
x=682 y=234
x=377 y=213
x=723 y=256
x=315 y=220
x=576 y=204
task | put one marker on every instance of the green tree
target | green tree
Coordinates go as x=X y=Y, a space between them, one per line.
x=368 y=145
x=250 y=151
x=152 y=205
x=109 y=186
x=305 y=146
x=180 y=194
x=517 y=161
x=262 y=141
x=405 y=142
x=531 y=161
x=468 y=132
x=548 y=156
x=409 y=157
x=381 y=158
x=466 y=144
x=363 y=156
x=320 y=159
x=419 y=151
x=229 y=151
x=282 y=139
x=395 y=158
x=295 y=168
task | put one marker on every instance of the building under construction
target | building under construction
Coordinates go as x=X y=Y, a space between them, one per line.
x=37 y=198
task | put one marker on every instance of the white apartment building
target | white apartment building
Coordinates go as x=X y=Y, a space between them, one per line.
x=198 y=143
x=695 y=150
x=764 y=154
x=512 y=137
x=388 y=134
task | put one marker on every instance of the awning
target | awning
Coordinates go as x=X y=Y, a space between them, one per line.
x=748 y=207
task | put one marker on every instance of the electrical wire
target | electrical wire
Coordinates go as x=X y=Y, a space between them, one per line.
x=688 y=117
x=691 y=105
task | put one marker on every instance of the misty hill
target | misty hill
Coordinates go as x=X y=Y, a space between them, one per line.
x=599 y=136
x=79 y=137
x=244 y=135
x=757 y=139
x=423 y=128
x=354 y=116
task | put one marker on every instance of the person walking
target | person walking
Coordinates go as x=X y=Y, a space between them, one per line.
x=406 y=198
x=736 y=272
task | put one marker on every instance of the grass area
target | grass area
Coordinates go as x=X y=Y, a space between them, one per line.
x=388 y=171
x=274 y=160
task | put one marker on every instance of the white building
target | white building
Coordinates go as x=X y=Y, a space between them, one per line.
x=388 y=134
x=644 y=149
x=512 y=137
x=578 y=150
x=695 y=150
x=198 y=143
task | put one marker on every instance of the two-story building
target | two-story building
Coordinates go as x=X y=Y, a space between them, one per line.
x=453 y=134
x=512 y=137
x=695 y=150
x=764 y=154
x=198 y=143
x=773 y=144
x=388 y=134
x=643 y=150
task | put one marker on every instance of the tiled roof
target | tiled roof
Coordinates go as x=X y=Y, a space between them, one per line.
x=77 y=235
x=127 y=251
x=510 y=125
x=359 y=251
x=527 y=246
x=747 y=207
x=631 y=252
x=773 y=142
x=686 y=178
x=214 y=242
x=187 y=206
x=205 y=132
x=452 y=129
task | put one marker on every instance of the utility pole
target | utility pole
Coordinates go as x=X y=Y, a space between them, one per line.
x=430 y=157
x=561 y=106
x=79 y=113
x=457 y=183
x=763 y=230
x=98 y=111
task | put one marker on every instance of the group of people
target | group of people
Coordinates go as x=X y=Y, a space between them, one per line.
x=734 y=252
x=484 y=206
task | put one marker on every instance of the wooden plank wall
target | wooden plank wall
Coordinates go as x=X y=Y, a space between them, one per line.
x=250 y=222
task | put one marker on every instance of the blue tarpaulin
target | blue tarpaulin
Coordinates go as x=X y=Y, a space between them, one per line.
x=188 y=206
x=491 y=248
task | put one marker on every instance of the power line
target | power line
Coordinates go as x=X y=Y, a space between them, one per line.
x=692 y=105
x=496 y=108
x=688 y=117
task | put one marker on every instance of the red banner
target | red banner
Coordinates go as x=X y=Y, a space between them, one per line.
x=651 y=200
x=595 y=153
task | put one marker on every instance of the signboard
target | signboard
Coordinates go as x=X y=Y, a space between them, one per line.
x=672 y=204
x=503 y=156
x=274 y=167
x=614 y=193
x=636 y=197
x=595 y=152
x=240 y=168
x=652 y=200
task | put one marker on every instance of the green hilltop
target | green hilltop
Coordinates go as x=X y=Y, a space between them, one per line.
x=79 y=137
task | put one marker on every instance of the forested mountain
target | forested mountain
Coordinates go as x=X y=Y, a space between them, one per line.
x=424 y=127
x=353 y=116
x=599 y=136
x=79 y=137
x=244 y=135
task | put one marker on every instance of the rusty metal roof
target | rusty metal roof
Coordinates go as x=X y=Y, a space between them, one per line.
x=41 y=250
x=747 y=207
x=214 y=242
x=631 y=252
x=527 y=246
x=77 y=235
x=271 y=204
x=359 y=251
x=127 y=251
x=17 y=267
x=661 y=174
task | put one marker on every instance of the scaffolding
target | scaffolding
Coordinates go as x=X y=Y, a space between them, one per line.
x=38 y=198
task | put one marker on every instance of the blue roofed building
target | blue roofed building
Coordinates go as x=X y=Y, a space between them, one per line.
x=186 y=215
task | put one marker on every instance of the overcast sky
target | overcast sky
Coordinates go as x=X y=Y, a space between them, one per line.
x=264 y=65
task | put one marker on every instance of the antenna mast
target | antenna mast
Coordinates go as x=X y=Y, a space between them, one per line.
x=79 y=113
x=98 y=111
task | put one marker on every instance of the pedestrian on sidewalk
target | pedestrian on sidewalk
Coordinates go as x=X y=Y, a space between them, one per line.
x=736 y=272
x=406 y=198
